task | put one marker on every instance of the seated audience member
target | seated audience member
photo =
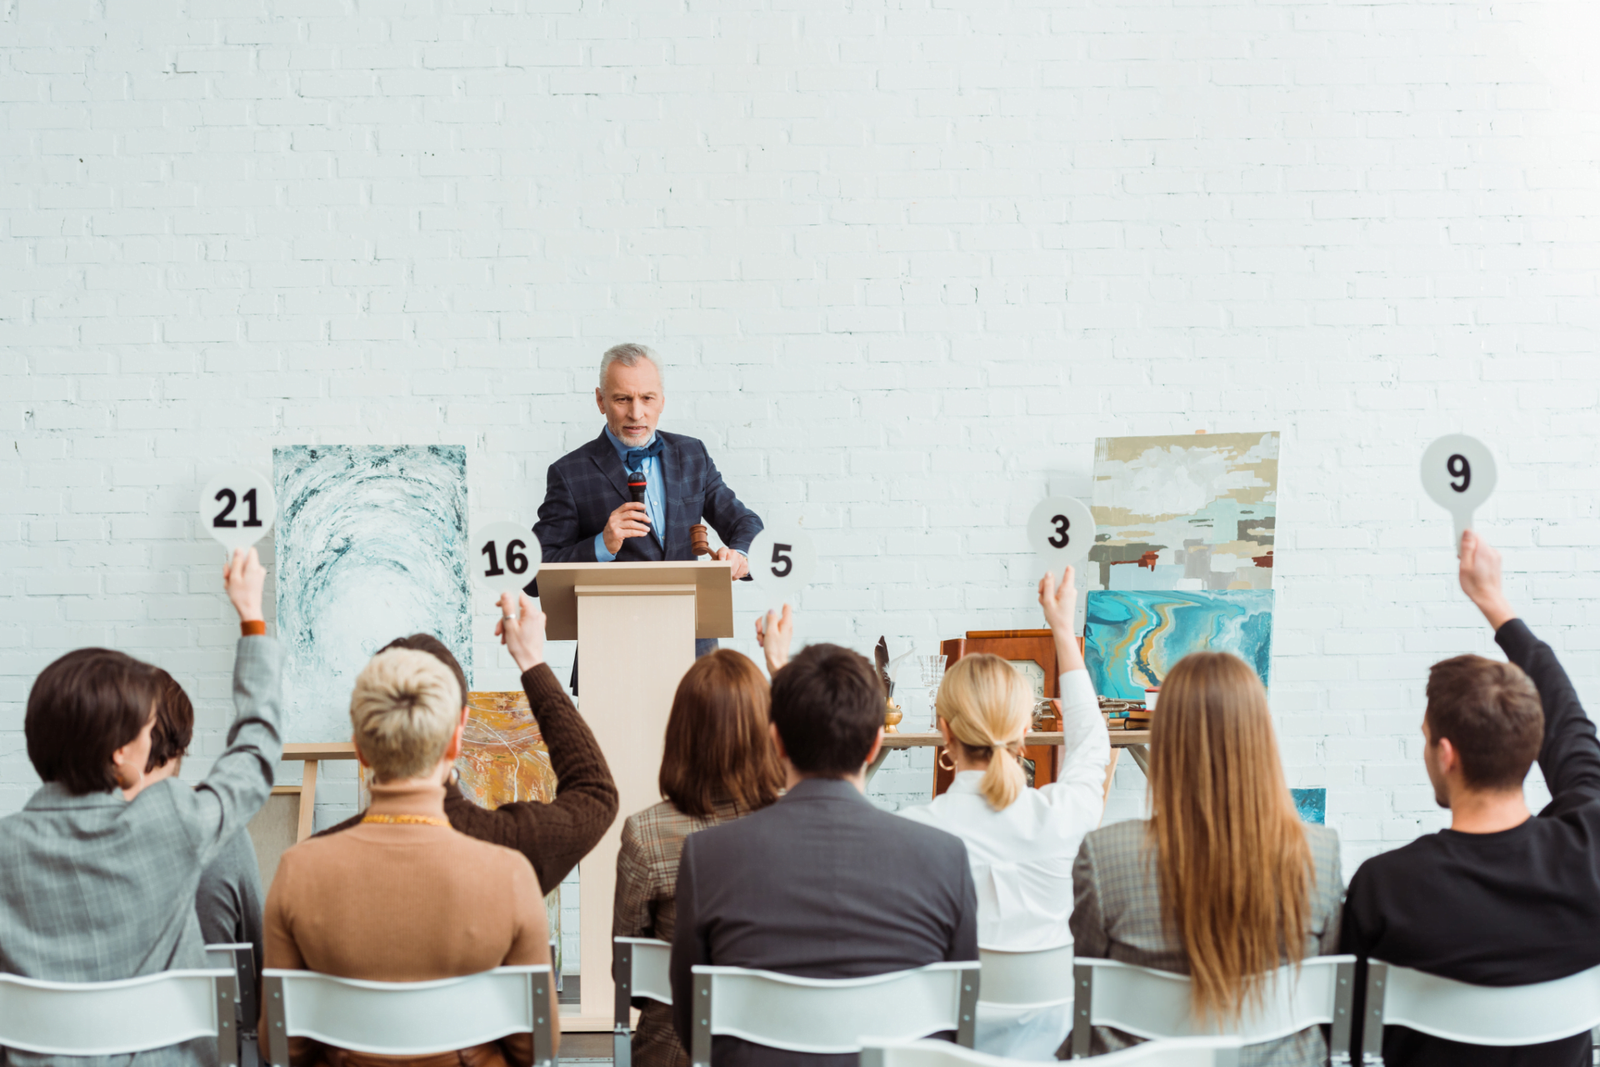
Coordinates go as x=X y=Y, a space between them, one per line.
x=718 y=765
x=820 y=884
x=553 y=836
x=1224 y=883
x=1021 y=841
x=95 y=887
x=404 y=897
x=1501 y=898
x=229 y=900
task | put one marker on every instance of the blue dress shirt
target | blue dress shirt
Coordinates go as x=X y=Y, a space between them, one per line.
x=655 y=504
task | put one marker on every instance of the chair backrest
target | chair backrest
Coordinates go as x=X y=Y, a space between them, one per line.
x=240 y=958
x=1475 y=1014
x=119 y=1017
x=1038 y=979
x=1151 y=1004
x=831 y=1015
x=1167 y=1052
x=409 y=1018
x=640 y=966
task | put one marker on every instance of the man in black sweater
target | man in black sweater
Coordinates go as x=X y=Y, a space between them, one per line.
x=1501 y=898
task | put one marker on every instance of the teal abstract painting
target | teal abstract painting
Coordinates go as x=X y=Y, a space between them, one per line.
x=1133 y=637
x=1312 y=804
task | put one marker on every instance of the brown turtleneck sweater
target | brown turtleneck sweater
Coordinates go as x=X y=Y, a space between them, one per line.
x=553 y=836
x=404 y=903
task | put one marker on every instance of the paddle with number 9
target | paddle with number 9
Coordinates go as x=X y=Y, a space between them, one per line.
x=1459 y=473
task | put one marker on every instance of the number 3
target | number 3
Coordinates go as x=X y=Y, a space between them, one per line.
x=1062 y=524
x=778 y=556
x=1458 y=467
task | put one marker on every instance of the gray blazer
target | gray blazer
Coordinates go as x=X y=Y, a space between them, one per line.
x=94 y=887
x=1116 y=915
x=821 y=884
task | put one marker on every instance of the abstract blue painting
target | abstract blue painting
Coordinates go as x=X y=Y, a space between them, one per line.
x=1312 y=804
x=371 y=545
x=1132 y=637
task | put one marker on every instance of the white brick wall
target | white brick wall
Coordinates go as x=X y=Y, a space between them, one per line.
x=906 y=262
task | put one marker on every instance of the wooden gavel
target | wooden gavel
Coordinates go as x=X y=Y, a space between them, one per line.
x=699 y=540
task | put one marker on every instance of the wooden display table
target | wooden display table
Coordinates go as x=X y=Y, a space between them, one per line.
x=1137 y=742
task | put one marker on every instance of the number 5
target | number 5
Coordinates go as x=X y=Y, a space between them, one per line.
x=779 y=557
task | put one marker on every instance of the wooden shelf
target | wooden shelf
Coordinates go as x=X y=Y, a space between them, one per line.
x=1119 y=739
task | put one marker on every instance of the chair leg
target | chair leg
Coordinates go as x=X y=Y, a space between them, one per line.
x=1372 y=1029
x=700 y=1020
x=277 y=1037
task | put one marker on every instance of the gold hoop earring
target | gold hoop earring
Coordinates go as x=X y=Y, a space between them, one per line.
x=944 y=755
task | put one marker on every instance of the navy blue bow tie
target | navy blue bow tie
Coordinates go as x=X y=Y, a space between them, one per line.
x=636 y=456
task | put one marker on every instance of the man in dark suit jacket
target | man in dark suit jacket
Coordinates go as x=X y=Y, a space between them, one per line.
x=821 y=884
x=588 y=514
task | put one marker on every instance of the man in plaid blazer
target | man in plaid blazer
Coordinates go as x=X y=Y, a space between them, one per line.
x=588 y=514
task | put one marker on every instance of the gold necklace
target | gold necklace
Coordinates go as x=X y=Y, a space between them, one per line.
x=411 y=820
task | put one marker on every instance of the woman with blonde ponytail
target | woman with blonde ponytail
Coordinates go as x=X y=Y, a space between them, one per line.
x=1020 y=841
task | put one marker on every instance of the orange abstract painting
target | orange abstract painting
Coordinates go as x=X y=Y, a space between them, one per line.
x=503 y=756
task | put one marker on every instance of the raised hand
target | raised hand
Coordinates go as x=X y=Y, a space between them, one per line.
x=775 y=633
x=629 y=520
x=521 y=630
x=243 y=579
x=1480 y=579
x=1060 y=604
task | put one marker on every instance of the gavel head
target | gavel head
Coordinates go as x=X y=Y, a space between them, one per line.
x=699 y=540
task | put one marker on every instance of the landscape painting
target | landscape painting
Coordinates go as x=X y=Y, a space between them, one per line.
x=371 y=545
x=1132 y=638
x=1191 y=511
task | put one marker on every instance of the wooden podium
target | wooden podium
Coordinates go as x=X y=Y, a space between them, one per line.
x=635 y=624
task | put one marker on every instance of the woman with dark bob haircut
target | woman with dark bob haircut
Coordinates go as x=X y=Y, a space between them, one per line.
x=94 y=886
x=718 y=765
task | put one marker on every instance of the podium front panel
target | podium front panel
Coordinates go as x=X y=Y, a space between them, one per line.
x=635 y=644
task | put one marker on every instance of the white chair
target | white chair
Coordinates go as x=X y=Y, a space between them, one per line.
x=1170 y=1052
x=1155 y=1004
x=641 y=971
x=831 y=1015
x=409 y=1018
x=1476 y=1014
x=1040 y=978
x=120 y=1017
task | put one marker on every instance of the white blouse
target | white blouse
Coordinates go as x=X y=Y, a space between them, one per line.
x=1022 y=858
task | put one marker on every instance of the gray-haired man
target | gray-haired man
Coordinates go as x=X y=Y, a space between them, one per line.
x=589 y=515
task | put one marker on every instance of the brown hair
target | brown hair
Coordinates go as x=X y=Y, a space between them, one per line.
x=174 y=728
x=989 y=706
x=718 y=745
x=1491 y=713
x=1232 y=857
x=439 y=651
x=81 y=709
x=827 y=704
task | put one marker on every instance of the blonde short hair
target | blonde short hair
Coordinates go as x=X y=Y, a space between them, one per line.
x=404 y=710
x=989 y=707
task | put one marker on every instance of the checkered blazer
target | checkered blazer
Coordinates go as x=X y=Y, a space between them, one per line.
x=587 y=484
x=647 y=882
x=1117 y=915
x=94 y=888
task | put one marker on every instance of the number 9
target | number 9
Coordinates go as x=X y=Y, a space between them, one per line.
x=1458 y=467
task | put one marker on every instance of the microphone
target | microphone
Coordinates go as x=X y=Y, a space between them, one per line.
x=636 y=484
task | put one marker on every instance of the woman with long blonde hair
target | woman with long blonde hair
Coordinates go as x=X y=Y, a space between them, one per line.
x=1224 y=882
x=1020 y=841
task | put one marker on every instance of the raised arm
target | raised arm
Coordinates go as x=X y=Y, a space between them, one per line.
x=553 y=836
x=1086 y=747
x=1570 y=753
x=222 y=804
